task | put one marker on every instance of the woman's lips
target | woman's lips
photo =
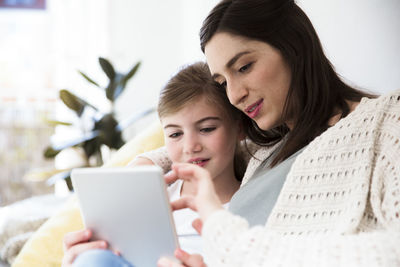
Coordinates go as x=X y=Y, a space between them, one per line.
x=253 y=110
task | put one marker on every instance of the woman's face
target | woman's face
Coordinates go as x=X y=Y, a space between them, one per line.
x=256 y=77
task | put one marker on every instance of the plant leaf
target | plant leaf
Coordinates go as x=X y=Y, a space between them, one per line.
x=72 y=101
x=131 y=73
x=88 y=79
x=107 y=68
x=113 y=90
x=91 y=147
x=50 y=152
x=121 y=83
x=56 y=122
x=118 y=90
x=110 y=135
x=110 y=91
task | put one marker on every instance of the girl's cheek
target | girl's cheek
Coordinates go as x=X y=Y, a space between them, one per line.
x=173 y=151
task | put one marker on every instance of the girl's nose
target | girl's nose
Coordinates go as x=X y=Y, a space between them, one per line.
x=192 y=145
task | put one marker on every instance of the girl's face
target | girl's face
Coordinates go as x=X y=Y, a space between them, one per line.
x=201 y=134
x=256 y=77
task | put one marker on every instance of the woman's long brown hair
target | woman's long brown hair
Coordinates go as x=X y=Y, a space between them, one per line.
x=316 y=92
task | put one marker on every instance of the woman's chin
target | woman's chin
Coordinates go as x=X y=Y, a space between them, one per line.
x=268 y=126
x=264 y=124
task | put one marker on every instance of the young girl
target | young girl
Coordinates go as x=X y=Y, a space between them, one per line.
x=201 y=128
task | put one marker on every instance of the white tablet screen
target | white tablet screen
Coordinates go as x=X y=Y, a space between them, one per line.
x=129 y=208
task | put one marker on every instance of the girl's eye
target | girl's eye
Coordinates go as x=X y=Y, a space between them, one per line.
x=223 y=84
x=207 y=129
x=245 y=67
x=174 y=135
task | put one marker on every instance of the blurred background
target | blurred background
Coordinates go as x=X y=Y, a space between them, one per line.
x=43 y=43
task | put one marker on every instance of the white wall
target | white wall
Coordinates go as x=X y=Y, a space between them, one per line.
x=361 y=38
x=163 y=35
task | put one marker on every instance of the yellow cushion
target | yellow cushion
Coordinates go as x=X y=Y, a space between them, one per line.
x=44 y=248
x=151 y=138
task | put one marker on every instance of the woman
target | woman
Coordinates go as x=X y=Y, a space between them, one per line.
x=329 y=152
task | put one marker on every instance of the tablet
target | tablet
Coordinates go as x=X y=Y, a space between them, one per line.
x=129 y=208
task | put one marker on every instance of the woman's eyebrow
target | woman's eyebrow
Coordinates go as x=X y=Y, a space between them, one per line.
x=232 y=61
x=235 y=58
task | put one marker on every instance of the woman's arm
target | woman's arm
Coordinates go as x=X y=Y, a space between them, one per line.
x=229 y=241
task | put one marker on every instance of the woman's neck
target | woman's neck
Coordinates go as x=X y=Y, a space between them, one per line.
x=225 y=187
x=335 y=117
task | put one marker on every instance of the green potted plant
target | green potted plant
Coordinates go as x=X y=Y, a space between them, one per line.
x=105 y=129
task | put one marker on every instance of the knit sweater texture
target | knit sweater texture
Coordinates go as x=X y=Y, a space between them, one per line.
x=339 y=205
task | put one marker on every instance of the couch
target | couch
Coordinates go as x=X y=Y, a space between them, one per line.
x=44 y=247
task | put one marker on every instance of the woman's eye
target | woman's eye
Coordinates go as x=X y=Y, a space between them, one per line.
x=174 y=135
x=223 y=84
x=207 y=129
x=245 y=67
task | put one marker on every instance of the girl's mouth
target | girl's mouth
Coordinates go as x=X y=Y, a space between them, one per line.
x=253 y=110
x=199 y=162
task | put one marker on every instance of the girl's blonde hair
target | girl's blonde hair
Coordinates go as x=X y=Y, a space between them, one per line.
x=189 y=84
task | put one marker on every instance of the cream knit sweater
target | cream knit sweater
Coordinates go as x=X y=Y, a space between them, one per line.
x=339 y=206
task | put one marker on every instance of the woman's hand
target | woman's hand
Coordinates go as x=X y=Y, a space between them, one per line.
x=205 y=201
x=187 y=260
x=76 y=243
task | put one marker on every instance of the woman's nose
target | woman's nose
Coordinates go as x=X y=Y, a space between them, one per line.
x=236 y=92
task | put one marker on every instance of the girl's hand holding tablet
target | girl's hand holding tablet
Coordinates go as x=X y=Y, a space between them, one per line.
x=78 y=242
